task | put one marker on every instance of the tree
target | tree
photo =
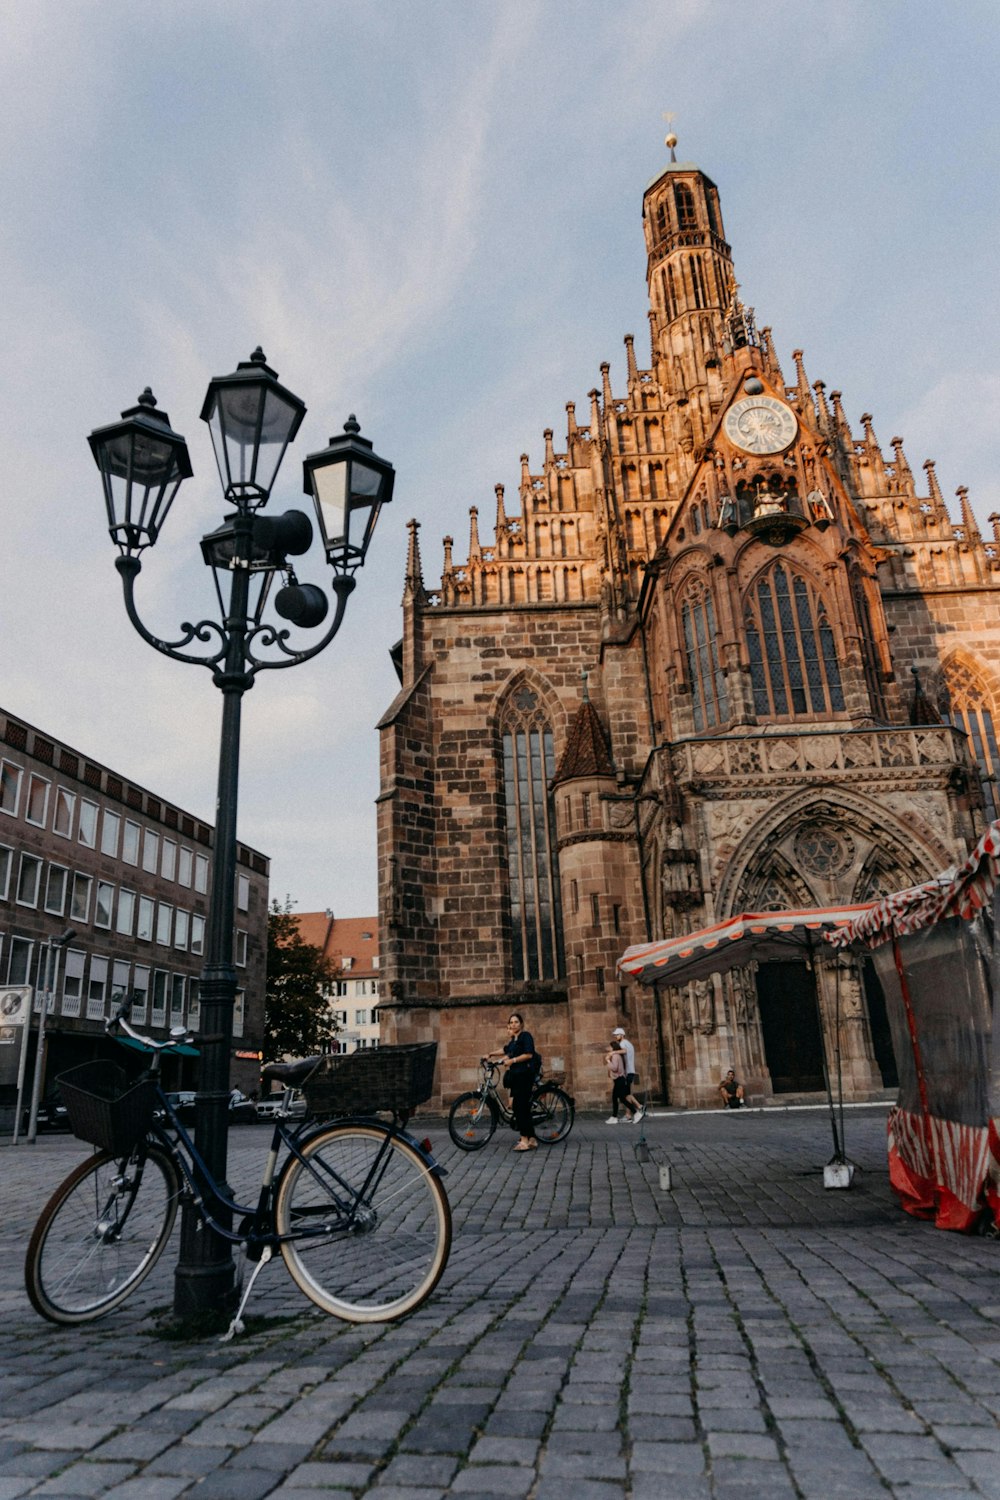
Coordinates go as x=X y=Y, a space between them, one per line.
x=297 y=1018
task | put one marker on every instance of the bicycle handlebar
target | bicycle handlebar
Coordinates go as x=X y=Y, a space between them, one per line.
x=118 y=1021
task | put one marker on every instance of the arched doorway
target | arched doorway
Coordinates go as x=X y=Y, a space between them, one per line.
x=793 y=1046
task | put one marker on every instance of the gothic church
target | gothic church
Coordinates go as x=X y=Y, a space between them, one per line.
x=724 y=653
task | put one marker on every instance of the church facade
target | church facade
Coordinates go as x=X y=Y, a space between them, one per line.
x=723 y=653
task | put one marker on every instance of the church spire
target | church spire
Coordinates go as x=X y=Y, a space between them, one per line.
x=414 y=584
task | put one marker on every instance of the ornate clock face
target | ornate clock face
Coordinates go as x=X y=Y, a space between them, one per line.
x=760 y=424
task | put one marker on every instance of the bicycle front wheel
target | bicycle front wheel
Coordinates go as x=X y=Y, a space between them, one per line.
x=100 y=1234
x=551 y=1114
x=471 y=1121
x=368 y=1225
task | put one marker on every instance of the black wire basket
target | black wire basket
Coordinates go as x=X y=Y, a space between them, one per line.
x=384 y=1079
x=104 y=1108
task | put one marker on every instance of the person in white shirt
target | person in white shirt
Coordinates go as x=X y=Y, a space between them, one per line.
x=633 y=1109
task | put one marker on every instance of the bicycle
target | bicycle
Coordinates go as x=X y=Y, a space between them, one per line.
x=475 y=1115
x=357 y=1211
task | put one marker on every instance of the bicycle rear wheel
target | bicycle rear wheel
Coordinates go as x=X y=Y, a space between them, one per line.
x=100 y=1234
x=471 y=1121
x=552 y=1113
x=369 y=1225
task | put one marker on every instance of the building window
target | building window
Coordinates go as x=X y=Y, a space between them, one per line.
x=38 y=801
x=176 y=999
x=105 y=903
x=97 y=986
x=87 y=833
x=6 y=863
x=239 y=1009
x=168 y=863
x=62 y=818
x=150 y=851
x=185 y=864
x=10 y=787
x=182 y=922
x=164 y=923
x=56 y=882
x=242 y=893
x=72 y=993
x=126 y=912
x=110 y=829
x=793 y=654
x=79 y=906
x=194 y=1004
x=528 y=768
x=159 y=1011
x=140 y=988
x=197 y=934
x=28 y=880
x=19 y=970
x=144 y=928
x=119 y=979
x=967 y=707
x=130 y=843
x=241 y=950
x=361 y=1018
x=201 y=873
x=709 y=696
x=869 y=653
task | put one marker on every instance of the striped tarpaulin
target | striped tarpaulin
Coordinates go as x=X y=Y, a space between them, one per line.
x=760 y=935
x=958 y=892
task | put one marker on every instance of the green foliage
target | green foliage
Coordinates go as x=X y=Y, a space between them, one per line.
x=297 y=1017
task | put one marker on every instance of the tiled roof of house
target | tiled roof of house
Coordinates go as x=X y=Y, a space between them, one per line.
x=340 y=938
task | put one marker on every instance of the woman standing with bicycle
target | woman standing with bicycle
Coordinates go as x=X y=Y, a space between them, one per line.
x=522 y=1069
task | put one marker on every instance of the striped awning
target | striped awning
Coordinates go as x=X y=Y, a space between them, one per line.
x=761 y=935
x=960 y=892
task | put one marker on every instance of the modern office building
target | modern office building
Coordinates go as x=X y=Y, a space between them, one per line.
x=83 y=847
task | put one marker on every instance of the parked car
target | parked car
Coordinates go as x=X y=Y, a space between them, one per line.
x=267 y=1108
x=52 y=1114
x=241 y=1109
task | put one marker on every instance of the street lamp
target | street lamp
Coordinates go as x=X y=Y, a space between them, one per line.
x=252 y=419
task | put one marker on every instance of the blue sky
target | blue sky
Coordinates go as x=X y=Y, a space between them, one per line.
x=428 y=213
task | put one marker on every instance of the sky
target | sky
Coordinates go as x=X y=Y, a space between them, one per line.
x=428 y=213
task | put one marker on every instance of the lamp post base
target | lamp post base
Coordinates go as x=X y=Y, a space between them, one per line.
x=205 y=1291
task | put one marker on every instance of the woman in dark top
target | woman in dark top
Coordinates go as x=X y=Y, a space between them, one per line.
x=519 y=1054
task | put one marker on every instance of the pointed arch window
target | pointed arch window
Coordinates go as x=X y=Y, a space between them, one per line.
x=709 y=695
x=533 y=882
x=869 y=655
x=684 y=204
x=966 y=707
x=793 y=653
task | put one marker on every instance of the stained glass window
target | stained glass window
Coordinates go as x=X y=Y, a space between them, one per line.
x=791 y=648
x=710 y=698
x=967 y=708
x=528 y=767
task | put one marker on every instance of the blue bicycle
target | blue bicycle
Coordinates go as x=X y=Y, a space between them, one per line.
x=357 y=1210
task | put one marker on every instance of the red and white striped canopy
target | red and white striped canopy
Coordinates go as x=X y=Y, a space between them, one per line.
x=760 y=935
x=953 y=893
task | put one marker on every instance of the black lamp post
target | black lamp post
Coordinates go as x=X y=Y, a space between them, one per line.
x=252 y=419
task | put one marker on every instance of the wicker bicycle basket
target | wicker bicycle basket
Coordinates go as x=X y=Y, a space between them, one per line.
x=104 y=1108
x=394 y=1079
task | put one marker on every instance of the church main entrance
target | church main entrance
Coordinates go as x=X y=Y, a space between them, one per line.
x=793 y=1047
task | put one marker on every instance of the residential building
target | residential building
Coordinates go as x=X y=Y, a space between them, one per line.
x=351 y=946
x=723 y=653
x=83 y=847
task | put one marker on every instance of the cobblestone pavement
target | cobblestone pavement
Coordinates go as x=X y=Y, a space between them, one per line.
x=594 y=1337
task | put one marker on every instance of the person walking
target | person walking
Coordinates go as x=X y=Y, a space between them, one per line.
x=522 y=1070
x=614 y=1060
x=634 y=1110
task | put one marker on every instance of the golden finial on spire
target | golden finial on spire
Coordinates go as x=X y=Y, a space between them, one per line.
x=671 y=139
